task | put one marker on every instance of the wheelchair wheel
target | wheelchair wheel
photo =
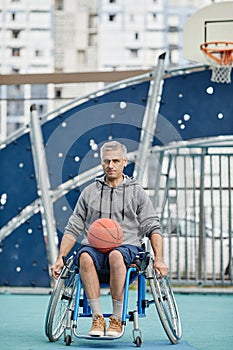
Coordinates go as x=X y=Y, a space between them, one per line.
x=166 y=306
x=61 y=302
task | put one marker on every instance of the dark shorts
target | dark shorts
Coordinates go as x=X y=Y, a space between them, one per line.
x=128 y=252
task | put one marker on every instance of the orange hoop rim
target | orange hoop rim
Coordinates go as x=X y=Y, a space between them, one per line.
x=222 y=55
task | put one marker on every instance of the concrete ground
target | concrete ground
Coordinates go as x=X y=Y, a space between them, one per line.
x=207 y=322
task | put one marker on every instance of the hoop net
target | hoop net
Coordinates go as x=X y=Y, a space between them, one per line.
x=220 y=56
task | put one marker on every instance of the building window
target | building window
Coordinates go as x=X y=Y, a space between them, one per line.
x=59 y=5
x=92 y=21
x=173 y=21
x=136 y=36
x=15 y=52
x=15 y=91
x=112 y=1
x=15 y=108
x=15 y=33
x=38 y=53
x=133 y=52
x=58 y=92
x=15 y=70
x=39 y=91
x=112 y=18
x=131 y=17
x=92 y=39
x=41 y=108
x=13 y=16
x=173 y=55
x=173 y=29
x=81 y=56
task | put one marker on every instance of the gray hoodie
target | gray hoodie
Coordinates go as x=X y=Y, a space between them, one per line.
x=128 y=204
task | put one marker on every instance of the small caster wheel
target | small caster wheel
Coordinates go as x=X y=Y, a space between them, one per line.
x=138 y=341
x=68 y=340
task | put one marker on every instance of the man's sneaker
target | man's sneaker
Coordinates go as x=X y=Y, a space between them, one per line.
x=98 y=326
x=115 y=327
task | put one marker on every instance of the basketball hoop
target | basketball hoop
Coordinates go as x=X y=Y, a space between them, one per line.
x=220 y=55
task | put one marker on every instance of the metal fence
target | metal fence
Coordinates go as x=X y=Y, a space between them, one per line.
x=195 y=203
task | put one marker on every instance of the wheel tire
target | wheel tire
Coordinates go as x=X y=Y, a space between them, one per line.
x=167 y=308
x=61 y=301
x=138 y=341
x=68 y=340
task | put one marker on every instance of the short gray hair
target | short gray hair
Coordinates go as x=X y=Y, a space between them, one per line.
x=113 y=146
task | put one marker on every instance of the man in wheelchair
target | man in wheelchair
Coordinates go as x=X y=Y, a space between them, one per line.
x=116 y=196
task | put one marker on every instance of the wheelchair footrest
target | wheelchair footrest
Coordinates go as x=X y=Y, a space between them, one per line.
x=104 y=337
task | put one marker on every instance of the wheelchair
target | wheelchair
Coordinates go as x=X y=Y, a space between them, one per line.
x=68 y=302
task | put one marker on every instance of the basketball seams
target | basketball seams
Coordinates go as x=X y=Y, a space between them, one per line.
x=101 y=239
x=108 y=230
x=117 y=228
x=105 y=234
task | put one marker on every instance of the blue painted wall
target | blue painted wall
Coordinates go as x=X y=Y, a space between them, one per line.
x=118 y=115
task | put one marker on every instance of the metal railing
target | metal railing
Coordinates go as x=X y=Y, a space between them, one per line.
x=195 y=204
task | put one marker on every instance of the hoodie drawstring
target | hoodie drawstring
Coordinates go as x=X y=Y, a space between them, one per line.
x=111 y=197
x=123 y=203
x=101 y=197
x=111 y=194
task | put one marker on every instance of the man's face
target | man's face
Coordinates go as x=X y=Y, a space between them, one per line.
x=113 y=163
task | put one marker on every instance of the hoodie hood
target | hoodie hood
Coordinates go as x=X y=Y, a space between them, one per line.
x=127 y=181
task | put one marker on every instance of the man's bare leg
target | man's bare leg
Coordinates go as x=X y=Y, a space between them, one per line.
x=89 y=276
x=91 y=285
x=117 y=275
x=117 y=282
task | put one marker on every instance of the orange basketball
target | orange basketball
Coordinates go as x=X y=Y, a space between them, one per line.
x=105 y=234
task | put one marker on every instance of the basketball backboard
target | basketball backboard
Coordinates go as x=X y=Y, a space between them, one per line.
x=209 y=24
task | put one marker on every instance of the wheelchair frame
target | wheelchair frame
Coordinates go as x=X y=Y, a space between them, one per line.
x=66 y=301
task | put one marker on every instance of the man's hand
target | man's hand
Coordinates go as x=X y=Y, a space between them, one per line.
x=67 y=243
x=157 y=246
x=160 y=268
x=57 y=267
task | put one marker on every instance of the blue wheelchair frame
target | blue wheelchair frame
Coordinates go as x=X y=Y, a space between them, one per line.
x=131 y=275
x=66 y=300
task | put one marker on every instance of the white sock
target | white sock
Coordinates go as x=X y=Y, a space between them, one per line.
x=95 y=306
x=117 y=308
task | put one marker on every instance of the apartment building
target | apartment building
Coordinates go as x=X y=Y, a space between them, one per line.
x=26 y=46
x=43 y=37
x=75 y=44
x=132 y=33
x=82 y=35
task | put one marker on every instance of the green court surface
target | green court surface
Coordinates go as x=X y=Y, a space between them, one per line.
x=207 y=322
